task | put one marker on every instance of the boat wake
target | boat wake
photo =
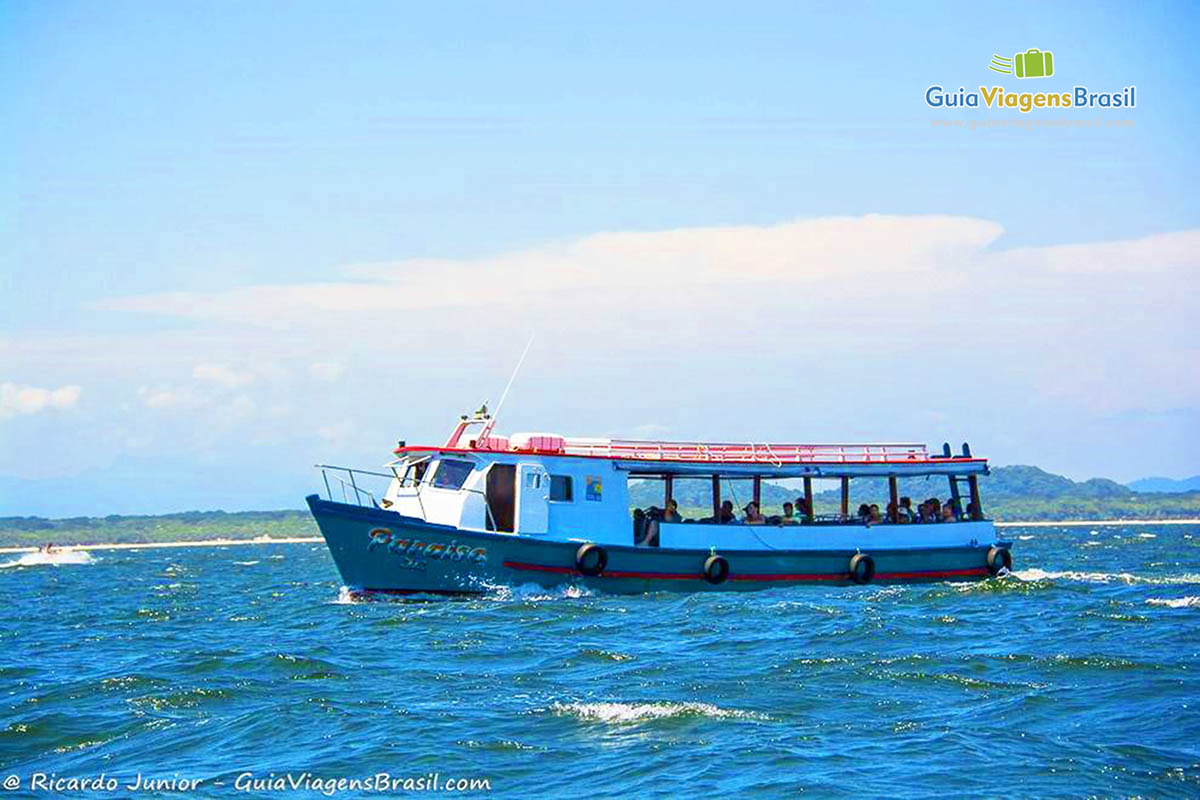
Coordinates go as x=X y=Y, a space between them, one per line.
x=56 y=559
x=634 y=713
x=534 y=593
x=1035 y=574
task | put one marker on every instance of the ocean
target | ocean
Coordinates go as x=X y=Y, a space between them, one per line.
x=246 y=670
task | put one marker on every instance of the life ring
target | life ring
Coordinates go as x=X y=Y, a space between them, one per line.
x=716 y=569
x=591 y=559
x=862 y=568
x=999 y=558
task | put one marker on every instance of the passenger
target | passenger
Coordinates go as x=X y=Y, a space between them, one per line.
x=973 y=511
x=726 y=517
x=639 y=526
x=927 y=512
x=893 y=513
x=864 y=513
x=671 y=514
x=875 y=518
x=789 y=515
x=803 y=510
x=905 y=511
x=752 y=516
x=948 y=513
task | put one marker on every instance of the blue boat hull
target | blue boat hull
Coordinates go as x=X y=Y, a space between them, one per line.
x=381 y=551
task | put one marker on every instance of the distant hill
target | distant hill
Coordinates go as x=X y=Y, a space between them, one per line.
x=1171 y=485
x=1009 y=494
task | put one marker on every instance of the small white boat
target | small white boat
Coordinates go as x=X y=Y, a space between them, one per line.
x=58 y=556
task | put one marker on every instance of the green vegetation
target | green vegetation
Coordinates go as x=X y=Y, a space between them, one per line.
x=182 y=527
x=1017 y=493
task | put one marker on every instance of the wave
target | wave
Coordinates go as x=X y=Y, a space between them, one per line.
x=56 y=559
x=1035 y=574
x=633 y=713
x=535 y=593
x=1177 y=602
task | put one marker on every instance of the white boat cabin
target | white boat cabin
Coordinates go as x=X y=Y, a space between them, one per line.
x=546 y=485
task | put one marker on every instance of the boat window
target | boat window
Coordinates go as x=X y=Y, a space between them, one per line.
x=560 y=488
x=452 y=474
x=414 y=473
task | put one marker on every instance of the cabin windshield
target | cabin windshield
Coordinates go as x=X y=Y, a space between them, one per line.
x=451 y=474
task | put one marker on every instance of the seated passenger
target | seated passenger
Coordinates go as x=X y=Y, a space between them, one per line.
x=752 y=516
x=973 y=511
x=671 y=514
x=864 y=513
x=789 y=515
x=948 y=513
x=893 y=513
x=803 y=510
x=639 y=526
x=726 y=517
x=905 y=511
x=874 y=517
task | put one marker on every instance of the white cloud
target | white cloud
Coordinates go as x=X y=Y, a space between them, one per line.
x=169 y=397
x=708 y=266
x=16 y=399
x=327 y=371
x=221 y=375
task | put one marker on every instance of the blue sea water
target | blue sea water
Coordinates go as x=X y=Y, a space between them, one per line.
x=1077 y=676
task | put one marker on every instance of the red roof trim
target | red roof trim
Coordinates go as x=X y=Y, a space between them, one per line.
x=466 y=451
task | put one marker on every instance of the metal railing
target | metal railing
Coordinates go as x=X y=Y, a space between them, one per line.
x=348 y=484
x=747 y=452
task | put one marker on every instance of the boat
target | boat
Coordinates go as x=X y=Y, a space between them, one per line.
x=484 y=511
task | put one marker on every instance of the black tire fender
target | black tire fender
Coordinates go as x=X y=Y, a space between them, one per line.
x=999 y=558
x=591 y=559
x=861 y=568
x=716 y=569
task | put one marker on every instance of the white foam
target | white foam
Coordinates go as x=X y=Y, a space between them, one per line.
x=245 y=563
x=1035 y=574
x=56 y=559
x=534 y=593
x=344 y=598
x=1147 y=535
x=632 y=713
x=1177 y=602
x=1024 y=538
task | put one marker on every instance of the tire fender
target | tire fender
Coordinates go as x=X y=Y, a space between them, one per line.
x=861 y=568
x=716 y=569
x=591 y=559
x=999 y=558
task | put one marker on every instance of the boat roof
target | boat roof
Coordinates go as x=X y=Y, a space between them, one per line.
x=650 y=457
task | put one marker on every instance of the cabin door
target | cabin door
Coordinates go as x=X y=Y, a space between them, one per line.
x=501 y=497
x=533 y=498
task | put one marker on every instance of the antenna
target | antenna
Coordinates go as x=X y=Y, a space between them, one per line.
x=487 y=428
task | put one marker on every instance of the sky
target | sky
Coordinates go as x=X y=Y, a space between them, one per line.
x=240 y=239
